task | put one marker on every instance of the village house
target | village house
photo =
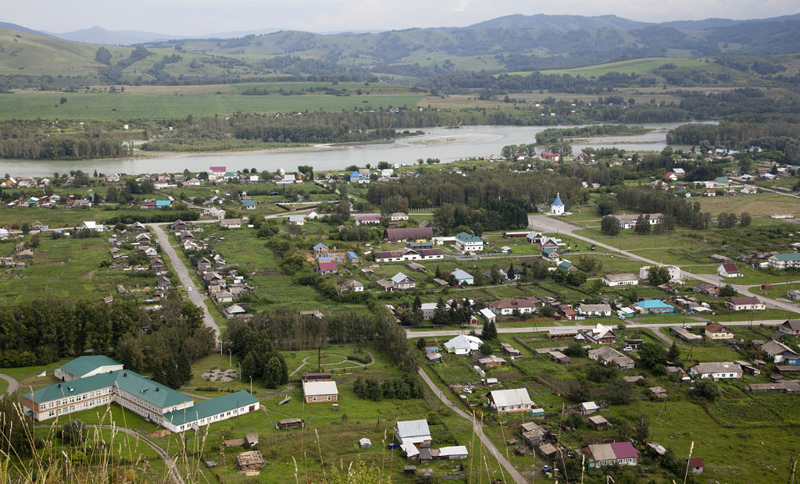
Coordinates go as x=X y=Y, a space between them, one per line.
x=506 y=307
x=745 y=303
x=619 y=453
x=624 y=279
x=707 y=289
x=790 y=326
x=320 y=391
x=652 y=306
x=492 y=361
x=611 y=358
x=463 y=344
x=231 y=223
x=463 y=277
x=628 y=222
x=413 y=435
x=729 y=270
x=601 y=310
x=600 y=334
x=398 y=216
x=716 y=370
x=780 y=353
x=510 y=401
x=468 y=243
x=398 y=282
x=717 y=331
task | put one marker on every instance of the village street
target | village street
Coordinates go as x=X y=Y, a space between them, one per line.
x=477 y=428
x=183 y=274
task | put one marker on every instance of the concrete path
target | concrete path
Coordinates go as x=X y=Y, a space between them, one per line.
x=13 y=385
x=477 y=427
x=545 y=223
x=183 y=274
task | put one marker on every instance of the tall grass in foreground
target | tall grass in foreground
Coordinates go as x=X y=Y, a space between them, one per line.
x=71 y=452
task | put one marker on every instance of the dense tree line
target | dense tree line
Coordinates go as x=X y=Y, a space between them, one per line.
x=673 y=210
x=42 y=332
x=552 y=135
x=495 y=200
x=74 y=147
x=404 y=388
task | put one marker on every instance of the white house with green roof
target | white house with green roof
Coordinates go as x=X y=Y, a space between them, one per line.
x=86 y=366
x=784 y=261
x=468 y=243
x=139 y=394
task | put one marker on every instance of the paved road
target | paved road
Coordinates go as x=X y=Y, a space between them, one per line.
x=13 y=385
x=545 y=223
x=477 y=427
x=628 y=324
x=183 y=274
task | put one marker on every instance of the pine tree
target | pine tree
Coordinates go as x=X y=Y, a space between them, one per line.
x=489 y=331
x=273 y=373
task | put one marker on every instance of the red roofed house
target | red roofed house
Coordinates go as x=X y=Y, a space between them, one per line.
x=729 y=270
x=508 y=306
x=326 y=268
x=696 y=463
x=718 y=331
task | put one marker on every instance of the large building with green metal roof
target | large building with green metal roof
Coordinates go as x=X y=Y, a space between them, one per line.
x=139 y=394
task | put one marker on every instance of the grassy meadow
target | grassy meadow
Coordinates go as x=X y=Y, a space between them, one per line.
x=174 y=104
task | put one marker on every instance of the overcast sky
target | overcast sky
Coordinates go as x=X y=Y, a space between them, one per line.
x=199 y=17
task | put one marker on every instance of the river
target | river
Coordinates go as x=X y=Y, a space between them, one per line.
x=445 y=144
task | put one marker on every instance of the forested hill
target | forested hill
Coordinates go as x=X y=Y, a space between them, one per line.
x=515 y=43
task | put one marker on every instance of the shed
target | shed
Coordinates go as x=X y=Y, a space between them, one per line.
x=250 y=460
x=697 y=465
x=290 y=423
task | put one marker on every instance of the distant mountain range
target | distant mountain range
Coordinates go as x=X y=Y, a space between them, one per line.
x=558 y=23
x=507 y=44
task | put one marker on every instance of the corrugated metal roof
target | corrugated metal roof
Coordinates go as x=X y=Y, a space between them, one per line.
x=87 y=364
x=214 y=406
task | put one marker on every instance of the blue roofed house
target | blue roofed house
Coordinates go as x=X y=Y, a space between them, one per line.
x=354 y=177
x=652 y=306
x=249 y=204
x=104 y=381
x=557 y=207
x=352 y=256
x=321 y=250
x=163 y=203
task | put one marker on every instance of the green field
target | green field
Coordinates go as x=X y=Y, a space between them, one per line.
x=95 y=106
x=637 y=66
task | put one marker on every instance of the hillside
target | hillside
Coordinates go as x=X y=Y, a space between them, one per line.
x=508 y=44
